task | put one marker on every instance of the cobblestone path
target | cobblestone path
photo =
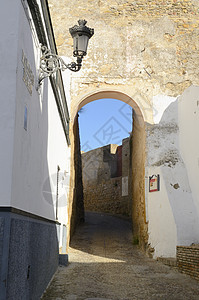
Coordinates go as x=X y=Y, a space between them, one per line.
x=103 y=264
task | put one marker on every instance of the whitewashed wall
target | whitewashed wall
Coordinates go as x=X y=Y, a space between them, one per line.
x=173 y=153
x=8 y=67
x=188 y=138
x=29 y=158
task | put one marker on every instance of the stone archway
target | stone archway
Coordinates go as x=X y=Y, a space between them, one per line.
x=140 y=117
x=137 y=101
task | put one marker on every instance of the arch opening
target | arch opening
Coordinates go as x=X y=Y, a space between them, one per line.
x=139 y=111
x=136 y=172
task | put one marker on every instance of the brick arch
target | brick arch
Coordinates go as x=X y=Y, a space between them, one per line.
x=138 y=153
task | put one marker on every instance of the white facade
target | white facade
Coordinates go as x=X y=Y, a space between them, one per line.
x=29 y=156
x=188 y=141
x=34 y=154
x=173 y=214
x=8 y=67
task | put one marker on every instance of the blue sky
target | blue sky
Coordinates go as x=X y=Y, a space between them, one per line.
x=103 y=122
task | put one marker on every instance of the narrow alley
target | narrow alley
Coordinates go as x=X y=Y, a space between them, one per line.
x=104 y=264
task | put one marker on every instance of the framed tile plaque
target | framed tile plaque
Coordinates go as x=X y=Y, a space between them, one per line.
x=154 y=183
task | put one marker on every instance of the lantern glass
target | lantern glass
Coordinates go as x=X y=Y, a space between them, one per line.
x=80 y=44
x=80 y=34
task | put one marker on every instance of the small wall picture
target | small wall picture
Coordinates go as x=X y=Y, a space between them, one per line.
x=154 y=183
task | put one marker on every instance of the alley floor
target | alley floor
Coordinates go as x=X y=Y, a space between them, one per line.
x=104 y=264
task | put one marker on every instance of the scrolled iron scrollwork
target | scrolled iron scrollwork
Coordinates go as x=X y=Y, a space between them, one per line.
x=50 y=63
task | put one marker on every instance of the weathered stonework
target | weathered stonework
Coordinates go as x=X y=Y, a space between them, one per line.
x=148 y=46
x=106 y=197
x=138 y=157
x=104 y=171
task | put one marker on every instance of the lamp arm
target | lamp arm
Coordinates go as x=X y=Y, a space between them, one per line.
x=73 y=66
x=50 y=63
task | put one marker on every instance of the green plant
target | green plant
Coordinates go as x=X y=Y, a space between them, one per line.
x=135 y=240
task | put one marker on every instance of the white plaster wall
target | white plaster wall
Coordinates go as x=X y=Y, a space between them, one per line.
x=172 y=214
x=39 y=150
x=162 y=227
x=58 y=154
x=160 y=104
x=188 y=138
x=8 y=67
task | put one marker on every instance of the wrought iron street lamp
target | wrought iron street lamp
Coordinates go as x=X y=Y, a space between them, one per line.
x=50 y=63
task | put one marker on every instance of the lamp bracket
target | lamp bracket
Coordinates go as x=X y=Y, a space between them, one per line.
x=50 y=63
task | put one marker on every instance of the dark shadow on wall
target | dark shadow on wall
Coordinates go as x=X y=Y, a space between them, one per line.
x=77 y=216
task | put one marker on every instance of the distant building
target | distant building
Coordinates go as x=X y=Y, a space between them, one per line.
x=106 y=179
x=34 y=154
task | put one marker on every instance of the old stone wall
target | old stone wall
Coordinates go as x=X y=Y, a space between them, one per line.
x=105 y=179
x=139 y=47
x=137 y=184
x=187 y=260
x=106 y=197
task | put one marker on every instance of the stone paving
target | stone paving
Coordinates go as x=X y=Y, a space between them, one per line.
x=103 y=264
